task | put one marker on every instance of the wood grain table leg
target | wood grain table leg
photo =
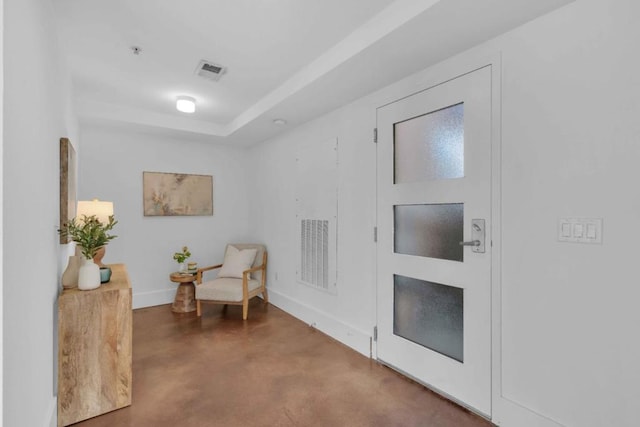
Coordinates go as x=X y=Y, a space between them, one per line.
x=185 y=300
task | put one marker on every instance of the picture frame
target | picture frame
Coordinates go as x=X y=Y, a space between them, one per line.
x=68 y=183
x=177 y=194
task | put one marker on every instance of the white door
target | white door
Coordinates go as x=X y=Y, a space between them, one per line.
x=434 y=192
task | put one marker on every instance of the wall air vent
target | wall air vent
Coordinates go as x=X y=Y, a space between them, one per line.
x=316 y=192
x=210 y=71
x=314 y=253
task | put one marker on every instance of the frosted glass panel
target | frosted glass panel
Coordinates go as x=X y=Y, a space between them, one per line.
x=429 y=314
x=433 y=231
x=430 y=147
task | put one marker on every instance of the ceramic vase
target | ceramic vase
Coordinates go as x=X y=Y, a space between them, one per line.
x=89 y=275
x=70 y=275
x=182 y=267
x=105 y=274
x=97 y=258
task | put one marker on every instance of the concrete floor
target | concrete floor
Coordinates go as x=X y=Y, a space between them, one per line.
x=271 y=370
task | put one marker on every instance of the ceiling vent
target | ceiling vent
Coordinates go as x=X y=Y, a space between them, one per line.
x=210 y=71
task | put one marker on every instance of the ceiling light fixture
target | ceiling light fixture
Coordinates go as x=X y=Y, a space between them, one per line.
x=279 y=122
x=186 y=104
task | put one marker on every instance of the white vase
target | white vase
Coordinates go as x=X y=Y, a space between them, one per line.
x=182 y=267
x=89 y=275
x=70 y=275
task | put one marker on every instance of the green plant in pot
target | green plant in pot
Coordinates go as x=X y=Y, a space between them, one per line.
x=90 y=235
x=181 y=257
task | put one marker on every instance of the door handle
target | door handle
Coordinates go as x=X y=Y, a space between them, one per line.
x=477 y=236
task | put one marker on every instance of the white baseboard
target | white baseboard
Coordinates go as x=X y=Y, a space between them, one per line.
x=51 y=419
x=352 y=337
x=508 y=413
x=149 y=299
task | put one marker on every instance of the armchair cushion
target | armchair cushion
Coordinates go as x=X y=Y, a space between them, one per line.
x=236 y=261
x=225 y=289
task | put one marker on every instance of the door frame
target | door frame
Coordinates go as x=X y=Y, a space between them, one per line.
x=436 y=75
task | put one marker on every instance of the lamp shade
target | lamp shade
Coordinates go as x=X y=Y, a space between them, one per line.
x=102 y=210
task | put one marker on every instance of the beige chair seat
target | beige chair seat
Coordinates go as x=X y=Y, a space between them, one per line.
x=224 y=289
x=233 y=290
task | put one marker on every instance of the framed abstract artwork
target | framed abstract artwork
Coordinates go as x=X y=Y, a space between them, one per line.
x=68 y=182
x=177 y=194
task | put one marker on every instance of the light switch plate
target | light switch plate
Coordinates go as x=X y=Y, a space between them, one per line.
x=580 y=230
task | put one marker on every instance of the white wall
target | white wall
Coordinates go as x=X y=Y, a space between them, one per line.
x=112 y=162
x=1 y=202
x=570 y=148
x=37 y=112
x=570 y=130
x=349 y=315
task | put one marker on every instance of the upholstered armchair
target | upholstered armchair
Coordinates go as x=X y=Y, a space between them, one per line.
x=241 y=276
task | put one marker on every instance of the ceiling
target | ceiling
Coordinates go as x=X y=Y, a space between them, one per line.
x=289 y=59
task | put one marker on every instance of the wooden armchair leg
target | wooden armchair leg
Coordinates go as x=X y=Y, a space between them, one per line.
x=265 y=295
x=198 y=309
x=245 y=309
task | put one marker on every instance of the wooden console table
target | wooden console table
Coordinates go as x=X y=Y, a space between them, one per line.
x=94 y=349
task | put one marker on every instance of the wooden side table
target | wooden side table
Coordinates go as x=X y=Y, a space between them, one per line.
x=185 y=300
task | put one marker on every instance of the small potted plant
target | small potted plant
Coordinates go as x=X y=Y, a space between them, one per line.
x=90 y=235
x=181 y=257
